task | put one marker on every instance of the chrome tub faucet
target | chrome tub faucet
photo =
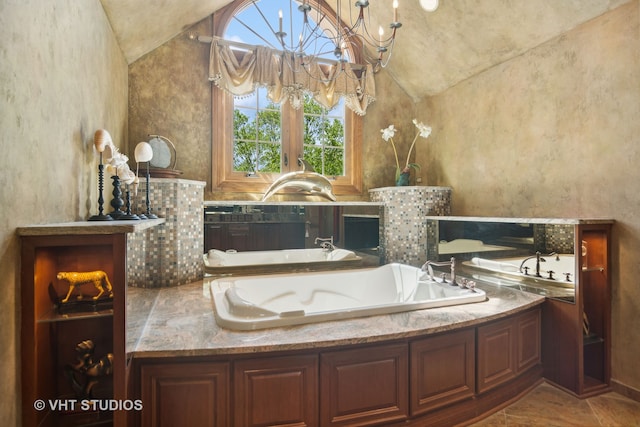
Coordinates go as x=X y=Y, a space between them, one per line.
x=538 y=256
x=326 y=243
x=428 y=267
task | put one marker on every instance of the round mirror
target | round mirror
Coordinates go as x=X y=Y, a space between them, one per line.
x=164 y=152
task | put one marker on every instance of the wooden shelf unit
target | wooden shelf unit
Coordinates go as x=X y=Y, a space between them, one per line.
x=577 y=361
x=49 y=339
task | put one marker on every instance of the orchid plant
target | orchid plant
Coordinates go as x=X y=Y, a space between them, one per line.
x=388 y=134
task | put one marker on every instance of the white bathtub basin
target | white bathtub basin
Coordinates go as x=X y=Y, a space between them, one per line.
x=256 y=262
x=257 y=302
x=561 y=266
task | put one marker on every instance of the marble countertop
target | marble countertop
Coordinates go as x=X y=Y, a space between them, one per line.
x=523 y=220
x=88 y=227
x=288 y=203
x=179 y=321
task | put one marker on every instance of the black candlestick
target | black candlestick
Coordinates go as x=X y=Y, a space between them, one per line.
x=128 y=214
x=148 y=214
x=116 y=202
x=100 y=216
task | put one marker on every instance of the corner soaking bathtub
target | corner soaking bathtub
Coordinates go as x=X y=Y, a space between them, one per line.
x=256 y=262
x=247 y=303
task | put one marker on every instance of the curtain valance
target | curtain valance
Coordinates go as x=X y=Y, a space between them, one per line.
x=286 y=78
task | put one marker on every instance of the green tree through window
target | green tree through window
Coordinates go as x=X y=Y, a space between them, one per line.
x=257 y=137
x=324 y=137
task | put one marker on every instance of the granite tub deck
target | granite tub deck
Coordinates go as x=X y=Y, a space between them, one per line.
x=179 y=321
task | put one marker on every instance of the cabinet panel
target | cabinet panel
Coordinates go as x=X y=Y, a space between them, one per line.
x=443 y=370
x=238 y=237
x=507 y=348
x=276 y=391
x=254 y=236
x=292 y=235
x=364 y=386
x=215 y=236
x=496 y=358
x=193 y=394
x=528 y=334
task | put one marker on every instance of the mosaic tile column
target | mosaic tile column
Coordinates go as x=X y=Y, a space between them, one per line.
x=403 y=232
x=171 y=254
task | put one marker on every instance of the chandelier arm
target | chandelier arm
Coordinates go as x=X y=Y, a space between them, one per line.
x=254 y=32
x=266 y=21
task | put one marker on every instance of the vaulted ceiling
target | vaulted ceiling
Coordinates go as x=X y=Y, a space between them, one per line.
x=433 y=52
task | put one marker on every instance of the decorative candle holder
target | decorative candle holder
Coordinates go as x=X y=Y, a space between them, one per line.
x=101 y=139
x=128 y=215
x=116 y=202
x=144 y=153
x=148 y=214
x=101 y=216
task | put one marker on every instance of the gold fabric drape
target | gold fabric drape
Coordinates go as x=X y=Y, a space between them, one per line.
x=286 y=78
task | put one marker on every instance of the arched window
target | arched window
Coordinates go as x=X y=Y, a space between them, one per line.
x=255 y=140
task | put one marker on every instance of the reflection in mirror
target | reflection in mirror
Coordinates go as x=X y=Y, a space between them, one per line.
x=536 y=257
x=244 y=227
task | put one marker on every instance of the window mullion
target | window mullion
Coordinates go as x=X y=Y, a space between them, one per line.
x=291 y=137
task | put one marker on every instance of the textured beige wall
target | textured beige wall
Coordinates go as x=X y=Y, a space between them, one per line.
x=62 y=76
x=170 y=95
x=555 y=133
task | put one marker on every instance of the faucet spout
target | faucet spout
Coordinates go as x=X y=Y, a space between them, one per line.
x=326 y=243
x=428 y=267
x=539 y=259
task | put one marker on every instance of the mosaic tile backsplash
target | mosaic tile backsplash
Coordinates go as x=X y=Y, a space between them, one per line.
x=169 y=255
x=403 y=233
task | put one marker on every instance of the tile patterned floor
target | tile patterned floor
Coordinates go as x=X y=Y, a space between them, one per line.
x=547 y=405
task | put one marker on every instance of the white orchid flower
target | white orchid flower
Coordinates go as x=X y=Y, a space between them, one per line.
x=423 y=129
x=388 y=133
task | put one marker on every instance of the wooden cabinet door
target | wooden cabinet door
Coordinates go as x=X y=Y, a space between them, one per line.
x=496 y=354
x=442 y=370
x=529 y=350
x=292 y=235
x=215 y=237
x=239 y=237
x=364 y=386
x=276 y=391
x=265 y=237
x=508 y=347
x=185 y=394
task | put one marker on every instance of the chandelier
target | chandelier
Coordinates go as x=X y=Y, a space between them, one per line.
x=308 y=30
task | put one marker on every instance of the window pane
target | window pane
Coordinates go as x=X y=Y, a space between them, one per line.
x=269 y=158
x=324 y=137
x=257 y=143
x=257 y=130
x=244 y=156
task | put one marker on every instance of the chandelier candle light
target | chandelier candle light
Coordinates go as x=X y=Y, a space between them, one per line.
x=402 y=175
